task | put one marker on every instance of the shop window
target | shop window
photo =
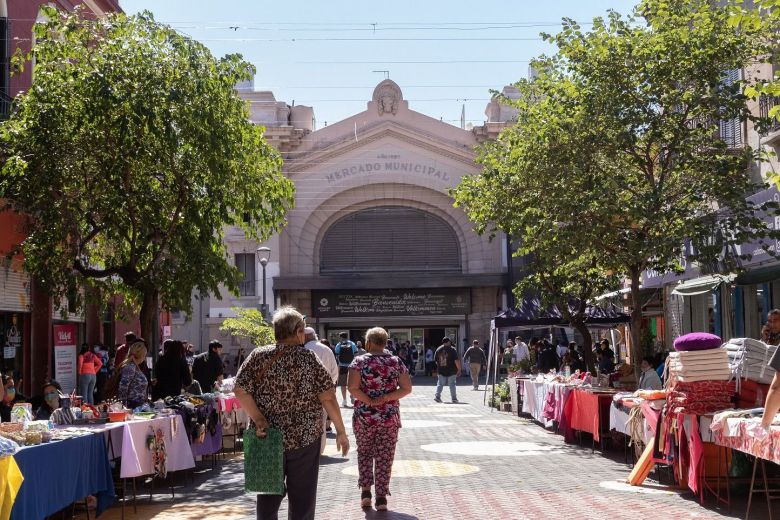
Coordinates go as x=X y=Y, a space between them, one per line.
x=390 y=239
x=245 y=262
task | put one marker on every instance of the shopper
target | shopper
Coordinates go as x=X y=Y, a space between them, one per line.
x=475 y=357
x=377 y=380
x=448 y=369
x=172 y=373
x=89 y=365
x=102 y=375
x=429 y=364
x=520 y=350
x=121 y=351
x=51 y=400
x=133 y=388
x=548 y=358
x=207 y=367
x=284 y=386
x=8 y=398
x=345 y=352
x=328 y=359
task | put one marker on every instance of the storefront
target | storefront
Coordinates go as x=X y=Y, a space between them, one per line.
x=375 y=240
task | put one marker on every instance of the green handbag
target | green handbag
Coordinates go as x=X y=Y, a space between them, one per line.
x=264 y=462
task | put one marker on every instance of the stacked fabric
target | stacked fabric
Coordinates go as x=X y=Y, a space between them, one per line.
x=701 y=365
x=749 y=359
x=700 y=397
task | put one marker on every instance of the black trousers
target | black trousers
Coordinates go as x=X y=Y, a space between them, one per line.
x=301 y=469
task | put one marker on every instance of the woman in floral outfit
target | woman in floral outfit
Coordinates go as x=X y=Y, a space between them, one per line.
x=377 y=380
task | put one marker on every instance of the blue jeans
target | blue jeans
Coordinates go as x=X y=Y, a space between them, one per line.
x=87 y=387
x=450 y=381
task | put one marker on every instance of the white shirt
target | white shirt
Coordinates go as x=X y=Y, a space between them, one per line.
x=521 y=352
x=326 y=357
x=649 y=380
x=561 y=350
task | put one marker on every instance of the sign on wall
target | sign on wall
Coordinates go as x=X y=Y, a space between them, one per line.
x=65 y=339
x=391 y=302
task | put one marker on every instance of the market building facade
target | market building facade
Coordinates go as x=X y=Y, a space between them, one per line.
x=374 y=238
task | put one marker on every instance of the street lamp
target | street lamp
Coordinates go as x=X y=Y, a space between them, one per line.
x=263 y=254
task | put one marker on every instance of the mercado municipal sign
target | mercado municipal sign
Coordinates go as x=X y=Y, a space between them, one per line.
x=391 y=302
x=388 y=163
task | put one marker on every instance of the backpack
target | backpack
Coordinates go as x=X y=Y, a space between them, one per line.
x=346 y=354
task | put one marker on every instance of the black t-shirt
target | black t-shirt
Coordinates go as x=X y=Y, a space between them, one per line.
x=445 y=358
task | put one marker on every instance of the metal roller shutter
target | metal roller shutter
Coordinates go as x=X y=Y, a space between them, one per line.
x=14 y=290
x=390 y=238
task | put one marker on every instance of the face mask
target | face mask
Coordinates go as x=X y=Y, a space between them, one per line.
x=10 y=393
x=52 y=399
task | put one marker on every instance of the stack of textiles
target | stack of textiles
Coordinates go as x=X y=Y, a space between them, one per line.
x=701 y=365
x=749 y=359
x=699 y=397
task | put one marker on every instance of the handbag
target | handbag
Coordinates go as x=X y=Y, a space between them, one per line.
x=264 y=462
x=264 y=458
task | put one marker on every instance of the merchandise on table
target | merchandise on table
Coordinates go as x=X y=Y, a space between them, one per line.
x=749 y=359
x=703 y=365
x=700 y=397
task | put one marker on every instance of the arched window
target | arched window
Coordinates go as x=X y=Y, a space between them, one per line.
x=390 y=238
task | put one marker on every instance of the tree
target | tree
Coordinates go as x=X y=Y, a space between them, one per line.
x=249 y=323
x=129 y=154
x=642 y=103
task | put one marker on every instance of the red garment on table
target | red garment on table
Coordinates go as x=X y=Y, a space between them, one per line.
x=588 y=411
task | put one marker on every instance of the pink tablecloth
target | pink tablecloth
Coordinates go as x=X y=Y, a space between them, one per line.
x=129 y=442
x=589 y=412
x=739 y=434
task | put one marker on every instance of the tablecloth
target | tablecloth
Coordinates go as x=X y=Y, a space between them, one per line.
x=589 y=411
x=534 y=395
x=129 y=442
x=10 y=482
x=742 y=434
x=59 y=473
x=228 y=403
x=211 y=443
x=618 y=419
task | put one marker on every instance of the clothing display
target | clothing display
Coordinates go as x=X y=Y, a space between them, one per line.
x=700 y=397
x=749 y=359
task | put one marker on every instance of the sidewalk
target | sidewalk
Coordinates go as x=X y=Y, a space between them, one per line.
x=460 y=461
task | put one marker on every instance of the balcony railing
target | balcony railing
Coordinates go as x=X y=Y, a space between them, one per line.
x=765 y=104
x=730 y=131
x=247 y=288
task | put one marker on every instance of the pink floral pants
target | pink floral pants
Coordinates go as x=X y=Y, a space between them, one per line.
x=376 y=450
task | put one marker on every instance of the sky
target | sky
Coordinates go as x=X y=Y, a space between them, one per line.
x=331 y=54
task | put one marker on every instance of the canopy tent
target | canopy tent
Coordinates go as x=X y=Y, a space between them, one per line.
x=702 y=284
x=531 y=315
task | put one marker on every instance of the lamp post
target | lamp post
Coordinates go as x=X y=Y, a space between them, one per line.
x=263 y=254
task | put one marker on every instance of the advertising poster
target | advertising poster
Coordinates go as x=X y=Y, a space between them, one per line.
x=65 y=338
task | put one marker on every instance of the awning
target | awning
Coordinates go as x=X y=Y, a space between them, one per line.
x=702 y=284
x=613 y=294
x=760 y=275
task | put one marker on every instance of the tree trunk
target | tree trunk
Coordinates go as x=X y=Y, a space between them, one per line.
x=149 y=309
x=636 y=321
x=587 y=346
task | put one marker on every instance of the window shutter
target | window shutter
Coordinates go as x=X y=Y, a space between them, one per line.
x=387 y=239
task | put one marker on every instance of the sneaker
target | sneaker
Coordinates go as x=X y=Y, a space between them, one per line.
x=455 y=401
x=437 y=399
x=365 y=498
x=381 y=503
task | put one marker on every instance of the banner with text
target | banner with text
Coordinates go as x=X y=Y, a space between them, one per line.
x=65 y=341
x=391 y=302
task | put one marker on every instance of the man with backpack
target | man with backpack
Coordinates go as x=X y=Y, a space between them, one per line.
x=345 y=351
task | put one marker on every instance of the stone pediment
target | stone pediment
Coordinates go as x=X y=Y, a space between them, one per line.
x=369 y=137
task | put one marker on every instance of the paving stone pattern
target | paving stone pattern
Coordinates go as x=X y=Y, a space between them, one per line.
x=455 y=461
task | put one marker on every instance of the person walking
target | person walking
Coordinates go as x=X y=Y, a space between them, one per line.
x=207 y=367
x=88 y=366
x=475 y=357
x=345 y=352
x=429 y=365
x=448 y=369
x=284 y=386
x=328 y=359
x=377 y=381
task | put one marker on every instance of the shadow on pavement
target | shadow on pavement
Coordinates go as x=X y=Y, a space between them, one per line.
x=389 y=515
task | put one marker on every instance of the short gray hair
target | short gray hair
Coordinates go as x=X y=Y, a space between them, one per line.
x=377 y=336
x=287 y=321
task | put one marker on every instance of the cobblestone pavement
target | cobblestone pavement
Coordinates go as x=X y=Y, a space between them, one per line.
x=459 y=461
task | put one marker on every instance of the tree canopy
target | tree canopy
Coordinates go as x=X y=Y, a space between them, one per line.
x=129 y=155
x=619 y=155
x=249 y=323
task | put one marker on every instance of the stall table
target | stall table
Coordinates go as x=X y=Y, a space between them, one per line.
x=534 y=396
x=590 y=412
x=59 y=473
